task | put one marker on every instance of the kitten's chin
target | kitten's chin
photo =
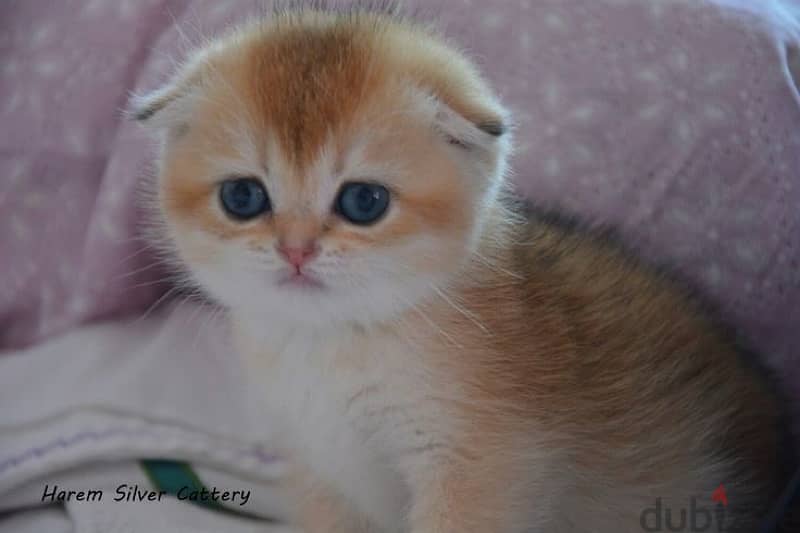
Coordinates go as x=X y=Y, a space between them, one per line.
x=300 y=282
x=311 y=304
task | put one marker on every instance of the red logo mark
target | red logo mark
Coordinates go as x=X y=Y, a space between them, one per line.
x=720 y=496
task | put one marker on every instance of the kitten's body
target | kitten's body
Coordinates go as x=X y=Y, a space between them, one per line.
x=578 y=395
x=464 y=367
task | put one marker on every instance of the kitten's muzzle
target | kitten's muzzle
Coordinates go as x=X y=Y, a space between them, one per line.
x=298 y=255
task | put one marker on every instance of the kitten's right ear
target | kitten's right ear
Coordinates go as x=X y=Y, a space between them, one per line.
x=143 y=107
x=170 y=105
x=167 y=106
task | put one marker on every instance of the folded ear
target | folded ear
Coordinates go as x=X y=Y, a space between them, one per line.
x=479 y=129
x=169 y=105
x=144 y=107
x=474 y=122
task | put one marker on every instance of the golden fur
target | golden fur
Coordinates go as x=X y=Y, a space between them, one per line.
x=552 y=383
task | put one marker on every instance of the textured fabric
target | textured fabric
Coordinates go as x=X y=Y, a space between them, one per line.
x=676 y=121
x=53 y=520
x=132 y=390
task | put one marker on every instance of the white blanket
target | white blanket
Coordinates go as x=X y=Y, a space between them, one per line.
x=80 y=412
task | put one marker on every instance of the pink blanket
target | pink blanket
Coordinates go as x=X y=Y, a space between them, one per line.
x=679 y=122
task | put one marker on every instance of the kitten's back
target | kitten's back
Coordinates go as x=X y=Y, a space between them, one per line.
x=649 y=386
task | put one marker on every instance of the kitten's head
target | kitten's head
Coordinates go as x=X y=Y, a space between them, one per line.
x=324 y=167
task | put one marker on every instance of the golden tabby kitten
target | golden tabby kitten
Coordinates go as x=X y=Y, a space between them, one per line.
x=441 y=360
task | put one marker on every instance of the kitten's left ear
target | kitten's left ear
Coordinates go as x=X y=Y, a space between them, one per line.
x=471 y=129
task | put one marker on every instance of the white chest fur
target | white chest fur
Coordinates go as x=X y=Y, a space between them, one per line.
x=356 y=409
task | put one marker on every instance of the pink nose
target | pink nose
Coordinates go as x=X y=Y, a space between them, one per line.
x=297 y=256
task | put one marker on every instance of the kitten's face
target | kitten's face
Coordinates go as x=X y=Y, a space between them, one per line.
x=320 y=206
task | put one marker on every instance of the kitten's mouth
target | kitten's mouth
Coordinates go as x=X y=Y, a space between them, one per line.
x=300 y=280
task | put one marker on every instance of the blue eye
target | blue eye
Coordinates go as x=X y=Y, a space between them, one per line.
x=244 y=198
x=362 y=203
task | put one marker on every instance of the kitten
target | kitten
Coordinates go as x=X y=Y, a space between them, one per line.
x=442 y=359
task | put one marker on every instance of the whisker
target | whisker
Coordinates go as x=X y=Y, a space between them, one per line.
x=461 y=309
x=148 y=247
x=140 y=270
x=418 y=310
x=156 y=304
x=498 y=268
x=171 y=279
x=135 y=238
x=193 y=295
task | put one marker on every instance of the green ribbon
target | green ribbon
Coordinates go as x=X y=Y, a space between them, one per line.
x=172 y=476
